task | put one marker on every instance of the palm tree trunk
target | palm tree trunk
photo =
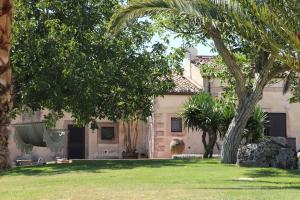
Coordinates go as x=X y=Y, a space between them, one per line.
x=212 y=142
x=205 y=145
x=5 y=78
x=208 y=146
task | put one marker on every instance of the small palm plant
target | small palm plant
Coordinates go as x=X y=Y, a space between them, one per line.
x=202 y=113
x=256 y=126
x=212 y=116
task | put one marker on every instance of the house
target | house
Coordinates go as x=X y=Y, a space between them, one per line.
x=155 y=135
x=108 y=140
x=283 y=116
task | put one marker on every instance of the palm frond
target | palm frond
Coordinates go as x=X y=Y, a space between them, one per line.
x=273 y=25
x=136 y=10
x=202 y=9
x=276 y=27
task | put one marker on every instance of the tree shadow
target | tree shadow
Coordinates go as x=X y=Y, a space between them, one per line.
x=95 y=166
x=295 y=183
x=290 y=179
x=271 y=172
x=286 y=187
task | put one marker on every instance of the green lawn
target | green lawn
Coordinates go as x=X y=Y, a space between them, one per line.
x=150 y=179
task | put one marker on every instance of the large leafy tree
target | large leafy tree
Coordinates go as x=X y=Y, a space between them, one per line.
x=64 y=60
x=6 y=8
x=265 y=31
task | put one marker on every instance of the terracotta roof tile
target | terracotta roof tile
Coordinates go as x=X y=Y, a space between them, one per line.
x=184 y=86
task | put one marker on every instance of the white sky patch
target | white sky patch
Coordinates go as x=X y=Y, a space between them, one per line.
x=177 y=42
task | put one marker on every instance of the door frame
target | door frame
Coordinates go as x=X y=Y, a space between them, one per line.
x=86 y=138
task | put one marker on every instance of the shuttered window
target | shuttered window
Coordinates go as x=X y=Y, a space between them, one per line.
x=277 y=125
x=176 y=124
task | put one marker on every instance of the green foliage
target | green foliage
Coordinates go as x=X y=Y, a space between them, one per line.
x=291 y=84
x=269 y=25
x=204 y=113
x=273 y=24
x=65 y=60
x=295 y=89
x=256 y=125
x=217 y=69
x=266 y=32
x=228 y=111
x=254 y=32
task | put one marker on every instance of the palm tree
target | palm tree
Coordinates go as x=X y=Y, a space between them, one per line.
x=281 y=18
x=6 y=7
x=203 y=113
x=272 y=32
x=213 y=116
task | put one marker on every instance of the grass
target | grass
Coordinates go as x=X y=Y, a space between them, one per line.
x=148 y=179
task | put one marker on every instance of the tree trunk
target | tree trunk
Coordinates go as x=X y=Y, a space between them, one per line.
x=209 y=146
x=233 y=137
x=135 y=135
x=212 y=142
x=5 y=79
x=128 y=136
x=246 y=105
x=205 y=155
x=247 y=99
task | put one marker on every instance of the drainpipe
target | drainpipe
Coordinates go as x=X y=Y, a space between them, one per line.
x=209 y=85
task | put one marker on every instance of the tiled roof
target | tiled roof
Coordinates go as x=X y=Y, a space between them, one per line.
x=184 y=86
x=200 y=60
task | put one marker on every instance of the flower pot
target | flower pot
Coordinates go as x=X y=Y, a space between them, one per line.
x=177 y=146
x=130 y=155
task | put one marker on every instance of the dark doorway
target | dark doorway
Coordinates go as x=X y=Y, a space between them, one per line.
x=277 y=125
x=76 y=142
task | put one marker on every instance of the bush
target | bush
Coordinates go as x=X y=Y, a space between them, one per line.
x=212 y=116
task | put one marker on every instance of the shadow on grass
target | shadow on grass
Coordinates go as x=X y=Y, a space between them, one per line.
x=290 y=179
x=272 y=172
x=95 y=166
x=286 y=187
x=279 y=182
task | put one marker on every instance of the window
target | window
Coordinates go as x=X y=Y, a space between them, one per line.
x=107 y=133
x=176 y=124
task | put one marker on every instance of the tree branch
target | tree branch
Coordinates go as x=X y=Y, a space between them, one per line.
x=265 y=75
x=229 y=60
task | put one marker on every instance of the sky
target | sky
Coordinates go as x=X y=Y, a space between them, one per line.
x=176 y=42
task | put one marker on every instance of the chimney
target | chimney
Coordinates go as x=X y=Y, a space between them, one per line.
x=190 y=55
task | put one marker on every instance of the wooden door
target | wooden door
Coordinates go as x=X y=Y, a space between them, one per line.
x=277 y=125
x=76 y=142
